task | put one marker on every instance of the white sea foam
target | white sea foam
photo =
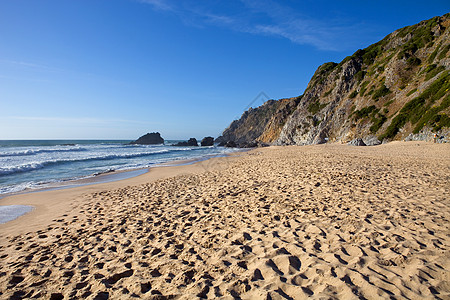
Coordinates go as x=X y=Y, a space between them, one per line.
x=40 y=164
x=26 y=165
x=37 y=151
x=20 y=168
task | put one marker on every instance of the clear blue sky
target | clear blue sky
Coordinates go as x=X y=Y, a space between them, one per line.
x=116 y=69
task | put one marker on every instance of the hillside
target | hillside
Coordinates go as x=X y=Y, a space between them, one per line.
x=262 y=124
x=387 y=91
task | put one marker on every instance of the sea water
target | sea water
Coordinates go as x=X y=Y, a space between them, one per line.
x=37 y=164
x=11 y=212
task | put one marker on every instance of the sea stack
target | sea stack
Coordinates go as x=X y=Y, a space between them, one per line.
x=207 y=141
x=153 y=138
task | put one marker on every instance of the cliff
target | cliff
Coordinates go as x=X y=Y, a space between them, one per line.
x=262 y=124
x=390 y=90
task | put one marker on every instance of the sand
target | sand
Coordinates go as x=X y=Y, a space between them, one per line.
x=326 y=222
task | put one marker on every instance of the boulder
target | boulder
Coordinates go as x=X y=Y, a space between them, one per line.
x=253 y=144
x=230 y=144
x=207 y=141
x=153 y=138
x=249 y=145
x=191 y=142
x=357 y=142
x=371 y=140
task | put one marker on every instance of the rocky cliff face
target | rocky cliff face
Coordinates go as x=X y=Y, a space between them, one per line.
x=262 y=124
x=392 y=89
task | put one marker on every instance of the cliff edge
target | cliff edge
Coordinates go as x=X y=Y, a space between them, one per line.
x=395 y=89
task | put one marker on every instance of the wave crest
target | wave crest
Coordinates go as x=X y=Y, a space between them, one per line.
x=38 y=165
x=38 y=151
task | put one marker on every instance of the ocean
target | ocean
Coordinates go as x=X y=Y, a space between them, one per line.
x=35 y=164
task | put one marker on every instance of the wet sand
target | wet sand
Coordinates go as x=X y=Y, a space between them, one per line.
x=328 y=221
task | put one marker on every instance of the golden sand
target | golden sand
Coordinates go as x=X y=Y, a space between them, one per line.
x=329 y=221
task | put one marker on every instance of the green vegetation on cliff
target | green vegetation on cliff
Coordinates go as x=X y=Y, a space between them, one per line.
x=315 y=106
x=420 y=110
x=395 y=87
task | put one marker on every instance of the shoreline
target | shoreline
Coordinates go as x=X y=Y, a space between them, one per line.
x=119 y=178
x=36 y=167
x=46 y=199
x=112 y=175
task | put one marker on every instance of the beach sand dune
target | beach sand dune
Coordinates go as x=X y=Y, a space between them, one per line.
x=327 y=222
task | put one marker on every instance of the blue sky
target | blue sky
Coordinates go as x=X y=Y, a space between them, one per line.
x=116 y=69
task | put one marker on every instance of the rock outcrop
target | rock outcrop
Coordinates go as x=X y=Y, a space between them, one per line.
x=230 y=144
x=153 y=138
x=357 y=142
x=262 y=124
x=387 y=91
x=371 y=140
x=191 y=142
x=443 y=136
x=207 y=141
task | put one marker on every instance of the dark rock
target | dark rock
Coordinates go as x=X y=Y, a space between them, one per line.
x=104 y=172
x=207 y=141
x=191 y=142
x=254 y=144
x=249 y=145
x=357 y=142
x=153 y=138
x=230 y=144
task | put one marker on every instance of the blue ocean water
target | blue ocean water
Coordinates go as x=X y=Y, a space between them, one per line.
x=38 y=163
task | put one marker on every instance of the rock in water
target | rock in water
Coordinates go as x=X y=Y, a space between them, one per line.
x=357 y=142
x=207 y=141
x=149 y=139
x=191 y=142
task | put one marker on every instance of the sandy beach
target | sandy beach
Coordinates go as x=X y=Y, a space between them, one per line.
x=326 y=222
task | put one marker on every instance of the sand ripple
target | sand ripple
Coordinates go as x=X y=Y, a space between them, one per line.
x=280 y=223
